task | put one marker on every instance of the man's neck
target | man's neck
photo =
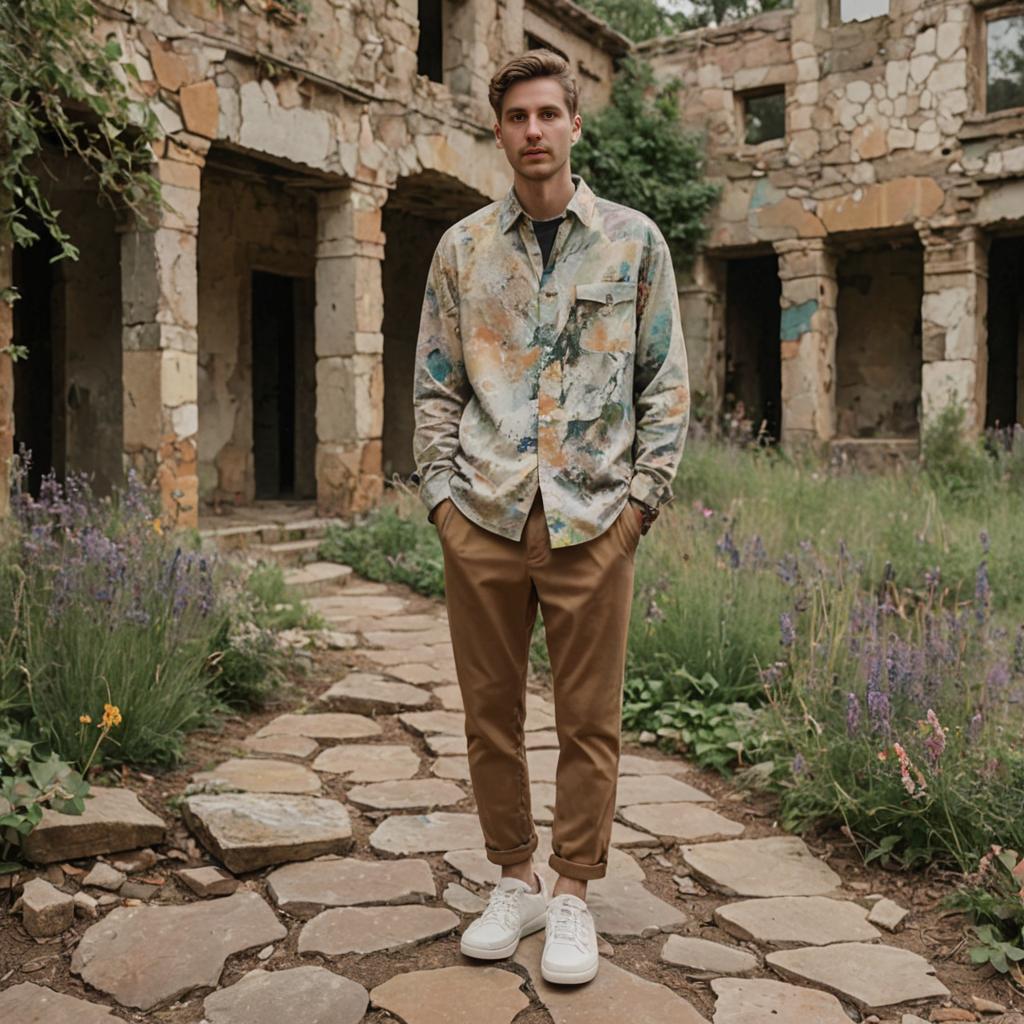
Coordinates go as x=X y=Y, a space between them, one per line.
x=547 y=199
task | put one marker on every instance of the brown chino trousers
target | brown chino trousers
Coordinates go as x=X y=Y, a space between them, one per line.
x=493 y=587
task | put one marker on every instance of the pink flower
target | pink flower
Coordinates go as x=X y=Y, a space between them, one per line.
x=935 y=742
x=914 y=789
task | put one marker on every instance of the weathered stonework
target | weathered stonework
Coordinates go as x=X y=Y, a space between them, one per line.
x=284 y=142
x=887 y=146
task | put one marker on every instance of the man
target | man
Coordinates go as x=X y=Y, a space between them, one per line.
x=551 y=405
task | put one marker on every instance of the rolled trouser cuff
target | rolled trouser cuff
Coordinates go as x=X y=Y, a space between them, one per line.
x=581 y=872
x=514 y=856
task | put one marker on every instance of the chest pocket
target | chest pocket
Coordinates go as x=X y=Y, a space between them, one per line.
x=606 y=315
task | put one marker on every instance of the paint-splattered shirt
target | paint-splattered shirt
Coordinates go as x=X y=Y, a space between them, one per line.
x=573 y=379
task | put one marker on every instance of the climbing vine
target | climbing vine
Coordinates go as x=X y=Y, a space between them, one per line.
x=636 y=152
x=61 y=85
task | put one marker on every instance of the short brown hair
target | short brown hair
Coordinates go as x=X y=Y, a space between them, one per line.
x=534 y=64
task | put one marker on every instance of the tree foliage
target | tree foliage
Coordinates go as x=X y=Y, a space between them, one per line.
x=61 y=85
x=636 y=152
x=644 y=19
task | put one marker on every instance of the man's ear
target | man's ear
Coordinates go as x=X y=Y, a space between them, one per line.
x=497 y=135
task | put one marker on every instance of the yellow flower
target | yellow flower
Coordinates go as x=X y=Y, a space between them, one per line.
x=158 y=527
x=111 y=716
x=85 y=719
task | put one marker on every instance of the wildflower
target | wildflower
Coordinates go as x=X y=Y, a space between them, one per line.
x=787 y=630
x=1018 y=653
x=879 y=707
x=727 y=548
x=852 y=713
x=111 y=716
x=85 y=719
x=974 y=727
x=158 y=527
x=983 y=537
x=883 y=755
x=935 y=741
x=916 y=789
x=799 y=765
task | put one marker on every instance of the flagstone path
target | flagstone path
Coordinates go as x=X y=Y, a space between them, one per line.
x=352 y=825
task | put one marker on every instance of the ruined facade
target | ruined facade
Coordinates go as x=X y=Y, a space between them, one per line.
x=256 y=339
x=865 y=260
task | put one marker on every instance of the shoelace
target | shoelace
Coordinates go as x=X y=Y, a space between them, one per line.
x=502 y=906
x=568 y=926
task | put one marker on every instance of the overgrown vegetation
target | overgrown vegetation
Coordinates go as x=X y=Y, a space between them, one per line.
x=638 y=130
x=643 y=19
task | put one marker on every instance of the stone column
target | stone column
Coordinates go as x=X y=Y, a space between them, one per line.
x=954 y=345
x=349 y=349
x=807 y=271
x=159 y=293
x=702 y=307
x=6 y=373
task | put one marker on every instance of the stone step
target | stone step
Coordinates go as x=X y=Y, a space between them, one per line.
x=315 y=578
x=228 y=539
x=298 y=529
x=289 y=553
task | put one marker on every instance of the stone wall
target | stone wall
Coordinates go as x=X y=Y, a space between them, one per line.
x=886 y=136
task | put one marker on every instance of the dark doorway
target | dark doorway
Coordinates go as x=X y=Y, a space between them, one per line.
x=1005 y=404
x=430 y=50
x=35 y=278
x=273 y=384
x=753 y=361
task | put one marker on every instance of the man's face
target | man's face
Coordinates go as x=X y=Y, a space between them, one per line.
x=536 y=130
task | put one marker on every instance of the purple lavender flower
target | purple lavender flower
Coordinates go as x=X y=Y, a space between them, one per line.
x=788 y=569
x=799 y=765
x=879 y=706
x=983 y=537
x=787 y=630
x=1018 y=652
x=727 y=549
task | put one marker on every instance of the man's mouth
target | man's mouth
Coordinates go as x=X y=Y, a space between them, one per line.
x=536 y=152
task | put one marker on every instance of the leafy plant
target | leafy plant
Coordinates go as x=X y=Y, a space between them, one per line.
x=955 y=463
x=52 y=67
x=30 y=780
x=635 y=132
x=993 y=898
x=390 y=547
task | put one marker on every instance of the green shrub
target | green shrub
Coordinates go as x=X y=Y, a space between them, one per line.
x=955 y=464
x=390 y=547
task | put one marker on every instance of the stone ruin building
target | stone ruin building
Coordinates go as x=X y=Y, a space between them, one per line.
x=873 y=187
x=257 y=342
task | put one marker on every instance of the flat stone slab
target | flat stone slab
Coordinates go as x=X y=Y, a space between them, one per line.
x=358 y=606
x=421 y=673
x=757 y=1000
x=330 y=725
x=113 y=820
x=369 y=762
x=247 y=831
x=148 y=956
x=390 y=657
x=299 y=995
x=435 y=634
x=634 y=764
x=627 y=909
x=450 y=696
x=682 y=821
x=623 y=835
x=542 y=764
x=614 y=996
x=33 y=1004
x=451 y=767
x=287 y=746
x=407 y=794
x=208 y=881
x=776 y=866
x=364 y=694
x=459 y=898
x=452 y=995
x=45 y=910
x=444 y=744
x=656 y=789
x=706 y=957
x=796 y=921
x=542 y=801
x=872 y=976
x=261 y=775
x=452 y=723
x=403 y=834
x=373 y=929
x=305 y=889
x=405 y=622
x=542 y=738
x=887 y=913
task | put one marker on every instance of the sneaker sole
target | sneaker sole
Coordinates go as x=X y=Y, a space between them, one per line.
x=500 y=952
x=558 y=977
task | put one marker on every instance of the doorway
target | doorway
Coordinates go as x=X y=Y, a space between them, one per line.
x=1005 y=402
x=753 y=351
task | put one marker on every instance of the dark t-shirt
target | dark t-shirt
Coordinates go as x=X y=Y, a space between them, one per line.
x=545 y=230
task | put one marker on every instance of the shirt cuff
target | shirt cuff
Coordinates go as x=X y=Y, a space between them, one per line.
x=434 y=491
x=646 y=490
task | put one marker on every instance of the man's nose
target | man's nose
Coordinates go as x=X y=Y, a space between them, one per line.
x=533 y=129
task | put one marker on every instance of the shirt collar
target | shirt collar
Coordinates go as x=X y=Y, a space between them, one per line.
x=582 y=205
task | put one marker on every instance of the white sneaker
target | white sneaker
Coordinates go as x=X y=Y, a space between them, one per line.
x=512 y=912
x=570 y=946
